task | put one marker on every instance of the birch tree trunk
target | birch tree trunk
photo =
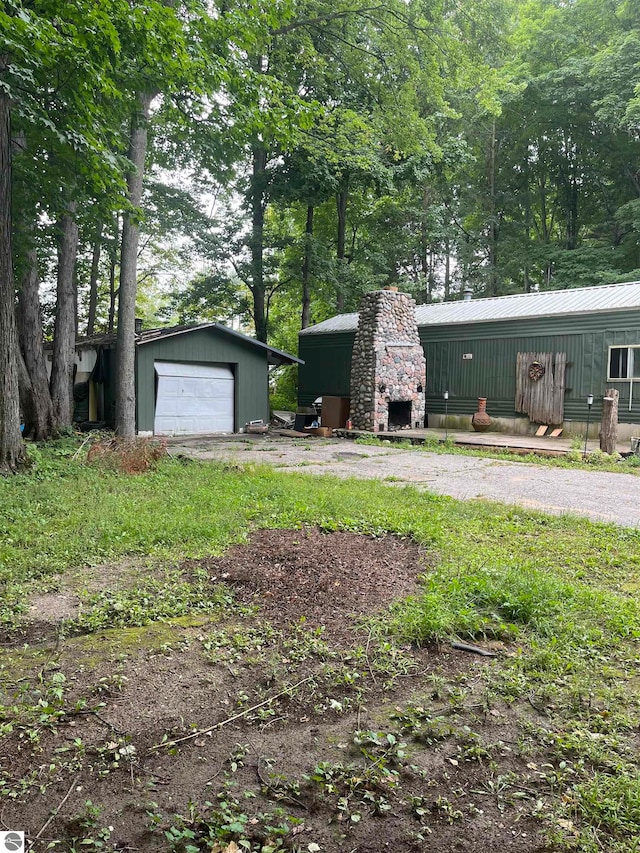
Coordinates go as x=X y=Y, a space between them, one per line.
x=126 y=342
x=64 y=334
x=447 y=269
x=37 y=406
x=11 y=446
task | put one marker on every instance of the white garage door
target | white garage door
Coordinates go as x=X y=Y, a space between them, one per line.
x=193 y=399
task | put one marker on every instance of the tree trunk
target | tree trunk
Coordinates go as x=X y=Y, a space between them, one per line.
x=493 y=222
x=64 y=335
x=25 y=390
x=609 y=428
x=431 y=275
x=126 y=342
x=424 y=245
x=93 y=281
x=37 y=406
x=572 y=213
x=11 y=446
x=447 y=269
x=342 y=198
x=306 y=270
x=258 y=208
x=113 y=291
x=526 y=274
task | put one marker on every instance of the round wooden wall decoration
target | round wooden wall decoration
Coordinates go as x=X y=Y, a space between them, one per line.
x=536 y=371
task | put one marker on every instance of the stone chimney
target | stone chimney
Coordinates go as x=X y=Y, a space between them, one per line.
x=388 y=367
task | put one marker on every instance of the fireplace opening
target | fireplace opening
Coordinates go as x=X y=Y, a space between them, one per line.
x=400 y=414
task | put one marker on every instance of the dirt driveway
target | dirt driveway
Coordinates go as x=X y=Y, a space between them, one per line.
x=597 y=495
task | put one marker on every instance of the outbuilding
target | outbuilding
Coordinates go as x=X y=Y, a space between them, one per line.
x=190 y=380
x=576 y=342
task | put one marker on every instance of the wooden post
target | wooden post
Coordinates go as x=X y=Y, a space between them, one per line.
x=609 y=428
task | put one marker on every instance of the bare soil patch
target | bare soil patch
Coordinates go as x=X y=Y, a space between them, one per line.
x=289 y=703
x=47 y=610
x=326 y=579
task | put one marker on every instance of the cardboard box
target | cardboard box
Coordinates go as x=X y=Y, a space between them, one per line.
x=323 y=431
x=335 y=412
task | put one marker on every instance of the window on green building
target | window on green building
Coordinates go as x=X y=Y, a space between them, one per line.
x=624 y=362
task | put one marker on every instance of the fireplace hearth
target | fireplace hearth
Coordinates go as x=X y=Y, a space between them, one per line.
x=399 y=414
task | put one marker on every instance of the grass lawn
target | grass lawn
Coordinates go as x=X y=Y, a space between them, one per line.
x=170 y=712
x=574 y=459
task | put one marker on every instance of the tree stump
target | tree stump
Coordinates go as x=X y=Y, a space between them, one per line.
x=609 y=427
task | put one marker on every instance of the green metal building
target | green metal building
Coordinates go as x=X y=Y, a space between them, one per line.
x=471 y=348
x=190 y=380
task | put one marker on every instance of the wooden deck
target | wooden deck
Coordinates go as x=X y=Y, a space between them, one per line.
x=518 y=444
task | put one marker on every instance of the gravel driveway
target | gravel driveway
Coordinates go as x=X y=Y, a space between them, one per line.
x=597 y=495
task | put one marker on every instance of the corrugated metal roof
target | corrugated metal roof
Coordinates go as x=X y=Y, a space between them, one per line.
x=550 y=303
x=149 y=336
x=341 y=323
x=275 y=356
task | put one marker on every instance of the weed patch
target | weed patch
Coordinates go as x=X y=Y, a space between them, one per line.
x=162 y=599
x=502 y=601
x=127 y=455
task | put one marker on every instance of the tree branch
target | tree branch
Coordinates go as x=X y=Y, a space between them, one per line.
x=322 y=19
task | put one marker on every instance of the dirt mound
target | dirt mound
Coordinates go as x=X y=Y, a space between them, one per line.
x=327 y=578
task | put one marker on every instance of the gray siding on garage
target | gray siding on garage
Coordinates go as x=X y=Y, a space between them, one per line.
x=205 y=346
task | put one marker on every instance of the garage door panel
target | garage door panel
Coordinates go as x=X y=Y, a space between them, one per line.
x=171 y=386
x=193 y=399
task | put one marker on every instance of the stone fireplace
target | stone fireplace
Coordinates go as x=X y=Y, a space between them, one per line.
x=388 y=367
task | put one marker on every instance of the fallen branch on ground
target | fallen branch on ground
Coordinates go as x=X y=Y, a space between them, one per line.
x=54 y=813
x=476 y=650
x=238 y=716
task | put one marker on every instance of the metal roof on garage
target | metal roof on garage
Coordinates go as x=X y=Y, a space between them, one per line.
x=550 y=303
x=147 y=336
x=274 y=356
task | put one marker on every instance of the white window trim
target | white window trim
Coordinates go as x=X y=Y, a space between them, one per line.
x=630 y=364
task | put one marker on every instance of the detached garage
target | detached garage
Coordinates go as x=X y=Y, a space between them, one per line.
x=190 y=380
x=193 y=380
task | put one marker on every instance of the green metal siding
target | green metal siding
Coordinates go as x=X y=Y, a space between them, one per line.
x=491 y=373
x=205 y=346
x=327 y=367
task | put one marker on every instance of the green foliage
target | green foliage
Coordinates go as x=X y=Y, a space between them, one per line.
x=611 y=805
x=490 y=145
x=284 y=388
x=167 y=598
x=227 y=820
x=503 y=601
